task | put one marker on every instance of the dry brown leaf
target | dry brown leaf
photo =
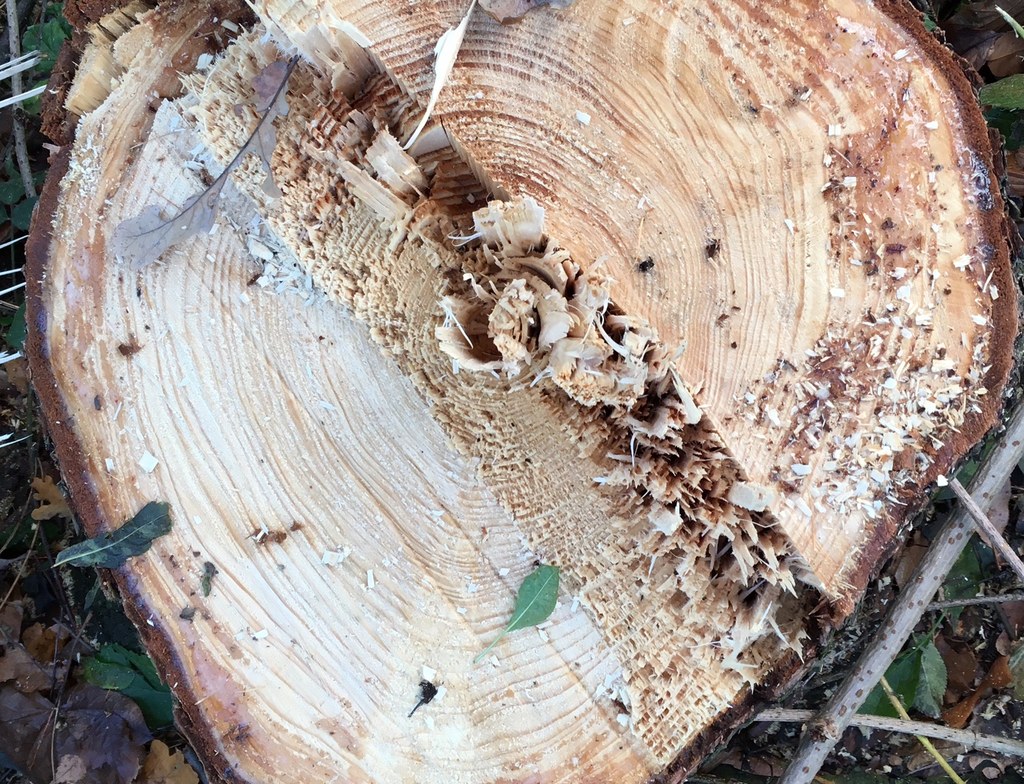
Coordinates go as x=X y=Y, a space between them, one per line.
x=42 y=642
x=982 y=14
x=71 y=770
x=16 y=371
x=997 y=677
x=143 y=239
x=19 y=669
x=163 y=767
x=17 y=666
x=52 y=502
x=102 y=732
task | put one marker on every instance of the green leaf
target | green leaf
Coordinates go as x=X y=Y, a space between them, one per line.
x=106 y=675
x=932 y=685
x=1010 y=124
x=47 y=37
x=1007 y=93
x=534 y=603
x=21 y=214
x=963 y=581
x=11 y=191
x=131 y=539
x=17 y=330
x=903 y=675
x=116 y=668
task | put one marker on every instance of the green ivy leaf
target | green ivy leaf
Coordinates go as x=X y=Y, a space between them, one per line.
x=113 y=549
x=963 y=581
x=932 y=685
x=534 y=603
x=11 y=191
x=1007 y=93
x=116 y=668
x=17 y=330
x=903 y=675
x=47 y=37
x=21 y=213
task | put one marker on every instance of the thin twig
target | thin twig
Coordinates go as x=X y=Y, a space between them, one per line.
x=943 y=763
x=1006 y=597
x=995 y=539
x=823 y=732
x=59 y=699
x=21 y=569
x=20 y=144
x=971 y=740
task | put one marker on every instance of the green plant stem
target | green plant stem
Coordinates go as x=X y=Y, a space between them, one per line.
x=929 y=747
x=480 y=656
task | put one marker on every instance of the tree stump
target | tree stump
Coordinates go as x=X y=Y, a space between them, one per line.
x=693 y=301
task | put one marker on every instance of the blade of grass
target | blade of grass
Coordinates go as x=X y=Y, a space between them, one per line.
x=1014 y=24
x=929 y=747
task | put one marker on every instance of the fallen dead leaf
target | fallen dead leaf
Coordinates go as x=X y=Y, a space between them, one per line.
x=18 y=668
x=512 y=10
x=102 y=732
x=23 y=721
x=998 y=677
x=16 y=371
x=42 y=642
x=52 y=501
x=163 y=767
x=71 y=770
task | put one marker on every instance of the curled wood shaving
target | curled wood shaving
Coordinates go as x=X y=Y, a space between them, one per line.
x=447 y=49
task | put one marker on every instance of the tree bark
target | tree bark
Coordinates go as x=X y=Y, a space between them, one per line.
x=694 y=301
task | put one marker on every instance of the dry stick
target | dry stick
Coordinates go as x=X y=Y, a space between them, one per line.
x=985 y=525
x=823 y=732
x=1006 y=597
x=971 y=740
x=20 y=145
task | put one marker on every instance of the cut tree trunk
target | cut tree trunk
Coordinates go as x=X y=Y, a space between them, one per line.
x=691 y=300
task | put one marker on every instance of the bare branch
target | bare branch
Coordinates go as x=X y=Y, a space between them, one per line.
x=823 y=732
x=995 y=539
x=971 y=740
x=1006 y=597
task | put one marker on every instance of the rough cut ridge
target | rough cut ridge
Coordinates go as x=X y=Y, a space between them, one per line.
x=700 y=337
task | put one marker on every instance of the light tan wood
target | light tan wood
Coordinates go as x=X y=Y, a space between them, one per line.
x=376 y=400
